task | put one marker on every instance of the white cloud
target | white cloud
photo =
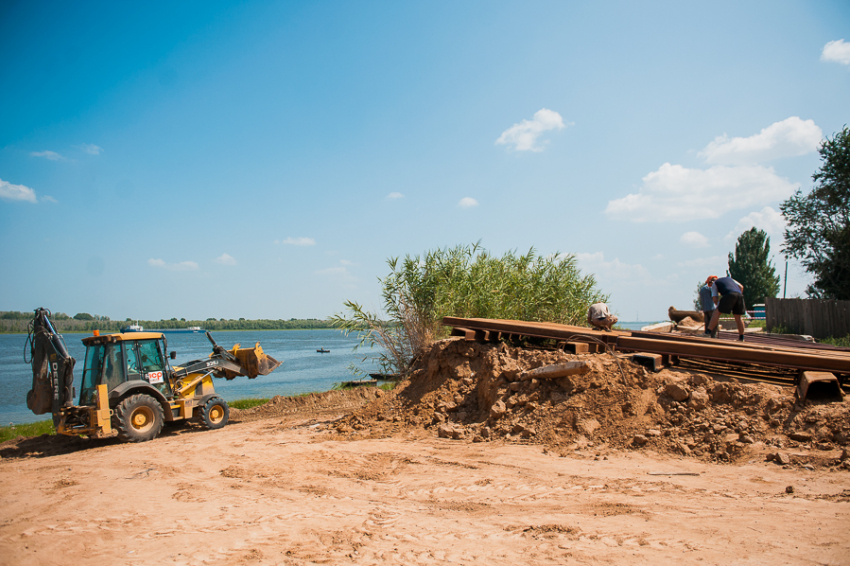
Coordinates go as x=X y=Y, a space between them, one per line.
x=694 y=240
x=393 y=196
x=678 y=194
x=47 y=198
x=767 y=219
x=182 y=266
x=789 y=138
x=91 y=149
x=836 y=51
x=346 y=262
x=8 y=191
x=524 y=136
x=467 y=202
x=225 y=259
x=297 y=242
x=611 y=270
x=339 y=276
x=51 y=155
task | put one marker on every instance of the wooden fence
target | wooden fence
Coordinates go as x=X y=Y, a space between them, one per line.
x=815 y=317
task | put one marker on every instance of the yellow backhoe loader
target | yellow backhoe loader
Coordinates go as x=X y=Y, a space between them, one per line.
x=129 y=388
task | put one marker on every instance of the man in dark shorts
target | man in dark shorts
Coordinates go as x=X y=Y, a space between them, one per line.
x=731 y=302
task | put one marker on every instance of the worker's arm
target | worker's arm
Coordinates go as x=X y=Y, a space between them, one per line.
x=716 y=300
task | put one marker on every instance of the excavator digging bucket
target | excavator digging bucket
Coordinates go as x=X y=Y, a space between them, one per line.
x=254 y=362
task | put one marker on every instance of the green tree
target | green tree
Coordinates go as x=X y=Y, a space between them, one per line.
x=818 y=224
x=751 y=267
x=83 y=316
x=466 y=281
x=697 y=301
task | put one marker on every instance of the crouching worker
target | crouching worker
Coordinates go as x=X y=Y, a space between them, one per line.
x=731 y=302
x=599 y=317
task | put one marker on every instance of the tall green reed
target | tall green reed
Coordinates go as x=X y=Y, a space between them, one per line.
x=465 y=281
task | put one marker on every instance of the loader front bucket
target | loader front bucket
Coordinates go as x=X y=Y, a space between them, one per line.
x=254 y=362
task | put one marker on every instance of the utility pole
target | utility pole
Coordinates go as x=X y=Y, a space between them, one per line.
x=785 y=286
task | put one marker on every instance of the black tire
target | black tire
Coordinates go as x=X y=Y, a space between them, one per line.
x=215 y=413
x=138 y=418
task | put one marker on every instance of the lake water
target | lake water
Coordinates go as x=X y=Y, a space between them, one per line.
x=636 y=325
x=303 y=371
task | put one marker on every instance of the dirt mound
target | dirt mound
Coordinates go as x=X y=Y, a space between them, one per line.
x=305 y=405
x=481 y=392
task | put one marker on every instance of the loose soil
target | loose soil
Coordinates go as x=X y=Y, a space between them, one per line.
x=470 y=461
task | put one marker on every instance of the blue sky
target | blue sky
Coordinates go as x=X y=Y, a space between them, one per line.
x=264 y=159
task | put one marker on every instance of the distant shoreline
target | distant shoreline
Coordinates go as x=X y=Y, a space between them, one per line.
x=180 y=331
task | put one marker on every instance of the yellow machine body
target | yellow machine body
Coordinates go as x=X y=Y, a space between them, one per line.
x=180 y=392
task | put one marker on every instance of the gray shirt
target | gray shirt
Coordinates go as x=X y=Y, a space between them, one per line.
x=597 y=311
x=705 y=298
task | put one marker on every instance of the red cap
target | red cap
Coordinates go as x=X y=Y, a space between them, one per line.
x=710 y=279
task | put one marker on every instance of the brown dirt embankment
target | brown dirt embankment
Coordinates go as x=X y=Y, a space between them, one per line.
x=479 y=392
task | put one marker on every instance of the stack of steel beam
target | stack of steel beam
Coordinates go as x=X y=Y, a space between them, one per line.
x=778 y=353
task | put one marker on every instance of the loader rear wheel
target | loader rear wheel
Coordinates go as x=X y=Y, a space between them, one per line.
x=215 y=413
x=138 y=418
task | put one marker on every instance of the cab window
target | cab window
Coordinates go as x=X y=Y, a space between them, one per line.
x=132 y=362
x=91 y=373
x=113 y=371
x=152 y=365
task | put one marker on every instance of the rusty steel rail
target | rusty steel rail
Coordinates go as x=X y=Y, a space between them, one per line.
x=784 y=356
x=752 y=341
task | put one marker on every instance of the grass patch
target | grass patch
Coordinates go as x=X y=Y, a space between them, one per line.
x=243 y=404
x=26 y=430
x=840 y=342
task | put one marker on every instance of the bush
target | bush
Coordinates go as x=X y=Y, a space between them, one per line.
x=468 y=282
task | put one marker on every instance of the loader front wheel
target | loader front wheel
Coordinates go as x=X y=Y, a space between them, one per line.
x=215 y=413
x=138 y=418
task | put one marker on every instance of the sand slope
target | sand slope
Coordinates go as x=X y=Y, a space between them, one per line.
x=363 y=477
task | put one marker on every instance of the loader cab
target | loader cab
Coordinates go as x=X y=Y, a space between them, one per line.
x=116 y=359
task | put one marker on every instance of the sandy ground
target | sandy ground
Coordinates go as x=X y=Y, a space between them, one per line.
x=293 y=491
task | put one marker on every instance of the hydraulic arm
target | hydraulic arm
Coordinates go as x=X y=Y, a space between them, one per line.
x=52 y=367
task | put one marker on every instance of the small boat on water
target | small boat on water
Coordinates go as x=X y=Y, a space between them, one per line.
x=133 y=328
x=323 y=351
